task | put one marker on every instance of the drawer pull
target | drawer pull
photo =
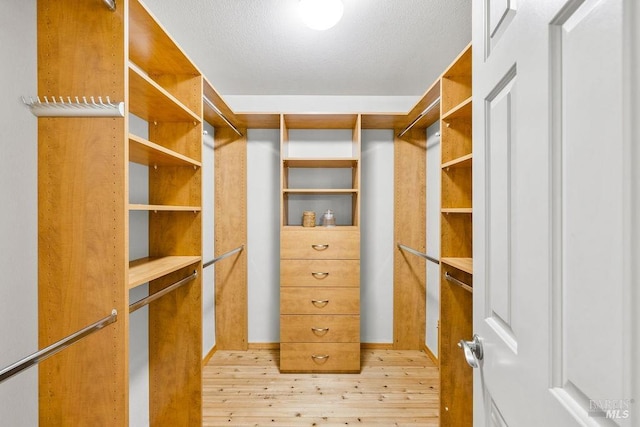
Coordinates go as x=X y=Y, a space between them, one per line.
x=320 y=302
x=319 y=247
x=319 y=275
x=320 y=331
x=320 y=358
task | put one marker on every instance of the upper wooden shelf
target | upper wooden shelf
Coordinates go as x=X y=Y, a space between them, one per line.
x=165 y=208
x=151 y=102
x=150 y=46
x=384 y=120
x=463 y=264
x=146 y=269
x=460 y=111
x=320 y=121
x=461 y=162
x=259 y=120
x=320 y=162
x=149 y=153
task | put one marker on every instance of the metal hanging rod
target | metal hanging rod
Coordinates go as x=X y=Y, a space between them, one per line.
x=420 y=116
x=147 y=300
x=77 y=107
x=111 y=4
x=222 y=116
x=223 y=256
x=420 y=254
x=458 y=282
x=56 y=347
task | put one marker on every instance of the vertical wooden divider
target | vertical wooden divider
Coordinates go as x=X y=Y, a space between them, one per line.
x=409 y=275
x=230 y=232
x=82 y=218
x=175 y=320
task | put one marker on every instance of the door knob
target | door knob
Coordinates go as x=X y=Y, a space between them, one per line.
x=472 y=351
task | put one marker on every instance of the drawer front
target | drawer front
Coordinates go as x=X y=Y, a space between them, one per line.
x=325 y=357
x=299 y=300
x=298 y=272
x=316 y=329
x=320 y=244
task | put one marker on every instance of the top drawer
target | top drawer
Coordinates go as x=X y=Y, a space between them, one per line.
x=320 y=243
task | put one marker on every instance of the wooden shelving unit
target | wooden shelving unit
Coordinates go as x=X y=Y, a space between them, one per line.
x=84 y=214
x=308 y=302
x=165 y=89
x=456 y=378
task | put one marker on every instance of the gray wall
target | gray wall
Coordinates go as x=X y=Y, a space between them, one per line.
x=208 y=288
x=139 y=320
x=18 y=216
x=433 y=236
x=376 y=241
x=263 y=234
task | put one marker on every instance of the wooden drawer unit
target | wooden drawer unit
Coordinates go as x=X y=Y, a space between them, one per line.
x=320 y=266
x=319 y=329
x=317 y=272
x=324 y=357
x=319 y=300
x=320 y=243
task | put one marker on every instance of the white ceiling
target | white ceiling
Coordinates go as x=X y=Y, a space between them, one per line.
x=261 y=47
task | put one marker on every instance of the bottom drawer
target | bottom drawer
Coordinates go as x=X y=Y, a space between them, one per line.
x=325 y=357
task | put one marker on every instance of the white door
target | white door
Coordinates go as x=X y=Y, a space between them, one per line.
x=556 y=212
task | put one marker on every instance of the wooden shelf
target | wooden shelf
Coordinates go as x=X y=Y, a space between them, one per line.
x=259 y=120
x=151 y=47
x=166 y=208
x=146 y=269
x=151 y=102
x=320 y=121
x=320 y=227
x=149 y=153
x=456 y=210
x=320 y=163
x=383 y=120
x=465 y=161
x=460 y=111
x=320 y=191
x=463 y=264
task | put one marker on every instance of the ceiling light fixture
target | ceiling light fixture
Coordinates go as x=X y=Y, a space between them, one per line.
x=321 y=14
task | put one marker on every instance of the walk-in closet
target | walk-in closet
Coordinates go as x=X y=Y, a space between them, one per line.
x=225 y=213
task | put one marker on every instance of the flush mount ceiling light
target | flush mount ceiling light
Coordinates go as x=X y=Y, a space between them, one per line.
x=321 y=14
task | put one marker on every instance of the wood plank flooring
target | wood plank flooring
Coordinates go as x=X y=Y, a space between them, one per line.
x=395 y=388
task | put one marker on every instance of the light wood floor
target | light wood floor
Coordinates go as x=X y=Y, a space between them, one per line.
x=395 y=388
